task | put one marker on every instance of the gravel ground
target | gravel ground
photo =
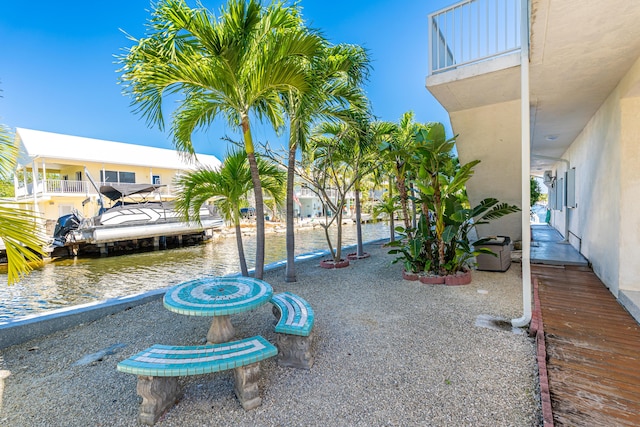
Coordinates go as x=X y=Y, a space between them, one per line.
x=388 y=352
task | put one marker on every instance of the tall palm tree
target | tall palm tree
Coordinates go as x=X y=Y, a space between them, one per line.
x=366 y=141
x=23 y=239
x=335 y=76
x=233 y=66
x=229 y=187
x=398 y=152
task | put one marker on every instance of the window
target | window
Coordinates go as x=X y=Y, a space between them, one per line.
x=114 y=177
x=78 y=176
x=156 y=179
x=128 y=177
x=108 y=176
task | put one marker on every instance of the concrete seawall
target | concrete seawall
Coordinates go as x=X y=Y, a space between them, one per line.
x=26 y=328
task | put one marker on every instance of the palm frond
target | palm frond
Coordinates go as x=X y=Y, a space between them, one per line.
x=23 y=241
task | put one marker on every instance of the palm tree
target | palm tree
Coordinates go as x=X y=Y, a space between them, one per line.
x=398 y=152
x=388 y=206
x=366 y=142
x=23 y=240
x=229 y=187
x=335 y=75
x=233 y=66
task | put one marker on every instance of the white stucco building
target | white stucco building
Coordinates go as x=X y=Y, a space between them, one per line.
x=575 y=67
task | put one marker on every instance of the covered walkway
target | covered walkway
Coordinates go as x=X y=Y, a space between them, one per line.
x=592 y=343
x=548 y=247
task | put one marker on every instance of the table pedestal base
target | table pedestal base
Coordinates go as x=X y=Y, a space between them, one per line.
x=221 y=330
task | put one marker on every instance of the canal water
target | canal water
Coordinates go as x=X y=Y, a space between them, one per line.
x=67 y=282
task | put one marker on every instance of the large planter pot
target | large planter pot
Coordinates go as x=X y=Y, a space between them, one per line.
x=407 y=275
x=460 y=278
x=432 y=280
x=329 y=263
x=354 y=256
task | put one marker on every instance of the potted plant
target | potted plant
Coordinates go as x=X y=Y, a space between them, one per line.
x=411 y=251
x=440 y=248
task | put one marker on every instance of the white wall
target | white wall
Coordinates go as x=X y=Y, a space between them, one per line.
x=606 y=156
x=492 y=134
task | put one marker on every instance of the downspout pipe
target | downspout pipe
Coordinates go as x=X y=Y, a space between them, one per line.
x=525 y=166
x=566 y=208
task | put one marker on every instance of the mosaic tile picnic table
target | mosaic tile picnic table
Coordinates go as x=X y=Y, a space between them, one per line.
x=218 y=297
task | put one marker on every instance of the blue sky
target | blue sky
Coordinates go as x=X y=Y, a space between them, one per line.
x=57 y=70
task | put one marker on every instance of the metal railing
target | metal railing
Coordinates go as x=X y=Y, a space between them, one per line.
x=63 y=186
x=472 y=31
x=68 y=187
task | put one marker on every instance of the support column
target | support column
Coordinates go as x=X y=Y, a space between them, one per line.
x=246 y=385
x=3 y=374
x=34 y=186
x=294 y=351
x=158 y=394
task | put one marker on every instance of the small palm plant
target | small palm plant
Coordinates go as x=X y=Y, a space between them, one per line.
x=228 y=187
x=23 y=240
x=388 y=207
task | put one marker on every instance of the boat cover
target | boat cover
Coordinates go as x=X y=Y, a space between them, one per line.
x=118 y=191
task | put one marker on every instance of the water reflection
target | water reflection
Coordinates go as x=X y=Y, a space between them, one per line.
x=76 y=281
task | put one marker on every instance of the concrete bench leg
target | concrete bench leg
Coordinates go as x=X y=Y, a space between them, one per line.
x=246 y=385
x=158 y=394
x=294 y=351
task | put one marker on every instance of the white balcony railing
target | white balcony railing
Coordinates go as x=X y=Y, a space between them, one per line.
x=59 y=187
x=472 y=31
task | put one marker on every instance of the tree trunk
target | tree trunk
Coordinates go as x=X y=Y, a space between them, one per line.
x=243 y=259
x=404 y=199
x=290 y=271
x=339 y=217
x=257 y=190
x=328 y=237
x=414 y=214
x=360 y=250
x=392 y=225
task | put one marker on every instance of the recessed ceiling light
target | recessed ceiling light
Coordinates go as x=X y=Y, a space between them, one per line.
x=551 y=137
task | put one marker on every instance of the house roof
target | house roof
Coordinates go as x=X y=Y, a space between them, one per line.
x=64 y=148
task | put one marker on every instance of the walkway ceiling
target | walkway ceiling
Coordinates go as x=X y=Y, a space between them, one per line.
x=580 y=50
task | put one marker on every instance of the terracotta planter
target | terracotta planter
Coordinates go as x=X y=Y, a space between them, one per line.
x=407 y=275
x=460 y=278
x=432 y=280
x=354 y=256
x=329 y=263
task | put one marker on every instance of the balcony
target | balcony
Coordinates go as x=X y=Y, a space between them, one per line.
x=473 y=31
x=64 y=187
x=475 y=43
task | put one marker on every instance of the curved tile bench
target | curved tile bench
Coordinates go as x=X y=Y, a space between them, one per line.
x=159 y=366
x=294 y=335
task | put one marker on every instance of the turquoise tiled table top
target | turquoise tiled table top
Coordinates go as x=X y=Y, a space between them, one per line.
x=296 y=314
x=217 y=296
x=174 y=361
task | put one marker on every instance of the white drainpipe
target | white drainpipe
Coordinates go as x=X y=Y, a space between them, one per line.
x=526 y=166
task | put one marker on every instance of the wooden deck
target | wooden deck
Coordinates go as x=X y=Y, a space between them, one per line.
x=593 y=350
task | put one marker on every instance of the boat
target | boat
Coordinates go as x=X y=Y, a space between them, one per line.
x=136 y=212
